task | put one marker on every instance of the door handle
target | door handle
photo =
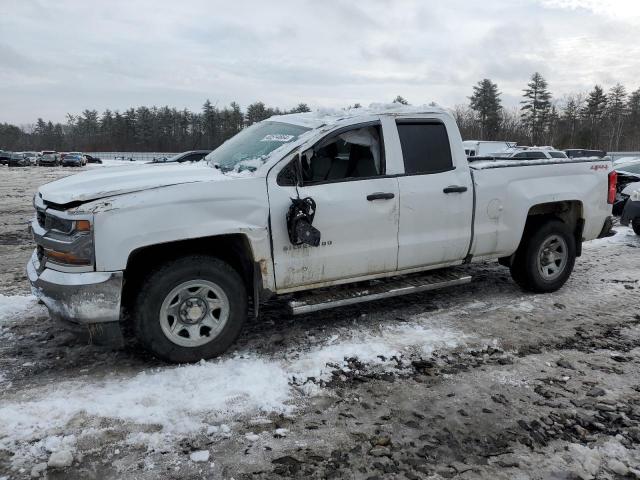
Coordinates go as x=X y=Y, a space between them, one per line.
x=455 y=189
x=380 y=196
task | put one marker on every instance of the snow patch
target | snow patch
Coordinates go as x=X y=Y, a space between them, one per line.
x=199 y=456
x=622 y=235
x=14 y=307
x=374 y=349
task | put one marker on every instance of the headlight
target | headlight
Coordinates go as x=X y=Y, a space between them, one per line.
x=635 y=196
x=66 y=226
x=66 y=241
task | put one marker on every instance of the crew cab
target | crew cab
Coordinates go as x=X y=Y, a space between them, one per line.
x=328 y=209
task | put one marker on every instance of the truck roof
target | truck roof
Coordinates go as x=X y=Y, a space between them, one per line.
x=323 y=117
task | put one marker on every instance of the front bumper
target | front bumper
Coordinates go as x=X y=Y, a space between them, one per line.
x=631 y=212
x=80 y=298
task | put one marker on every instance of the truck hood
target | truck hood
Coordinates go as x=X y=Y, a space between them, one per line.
x=109 y=181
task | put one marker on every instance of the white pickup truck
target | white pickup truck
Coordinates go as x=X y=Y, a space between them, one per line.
x=380 y=199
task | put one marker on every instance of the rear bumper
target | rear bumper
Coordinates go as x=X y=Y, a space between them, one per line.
x=79 y=298
x=631 y=211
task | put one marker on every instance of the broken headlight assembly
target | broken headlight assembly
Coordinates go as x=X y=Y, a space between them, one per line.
x=67 y=241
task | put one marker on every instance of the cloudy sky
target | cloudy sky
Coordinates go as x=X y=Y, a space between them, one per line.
x=65 y=55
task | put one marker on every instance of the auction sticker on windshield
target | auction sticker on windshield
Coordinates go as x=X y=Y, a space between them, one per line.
x=278 y=138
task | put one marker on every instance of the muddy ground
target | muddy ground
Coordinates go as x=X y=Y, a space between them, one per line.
x=483 y=381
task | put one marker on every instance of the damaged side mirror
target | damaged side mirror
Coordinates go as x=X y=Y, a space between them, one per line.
x=299 y=222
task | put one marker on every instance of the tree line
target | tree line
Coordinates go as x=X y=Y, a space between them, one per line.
x=598 y=120
x=144 y=129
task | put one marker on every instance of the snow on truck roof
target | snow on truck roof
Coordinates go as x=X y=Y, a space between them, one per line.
x=325 y=116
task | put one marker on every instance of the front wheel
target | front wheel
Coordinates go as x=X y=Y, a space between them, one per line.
x=189 y=309
x=635 y=224
x=545 y=258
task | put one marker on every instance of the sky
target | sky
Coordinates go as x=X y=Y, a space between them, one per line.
x=64 y=56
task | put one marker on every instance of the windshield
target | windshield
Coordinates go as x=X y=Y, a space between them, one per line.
x=250 y=148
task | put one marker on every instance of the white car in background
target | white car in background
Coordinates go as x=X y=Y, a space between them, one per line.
x=482 y=148
x=532 y=153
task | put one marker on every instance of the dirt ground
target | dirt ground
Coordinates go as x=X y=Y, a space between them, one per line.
x=478 y=381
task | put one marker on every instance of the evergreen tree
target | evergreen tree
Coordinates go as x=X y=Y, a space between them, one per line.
x=616 y=112
x=593 y=114
x=401 y=100
x=633 y=126
x=301 y=108
x=256 y=112
x=570 y=116
x=485 y=102
x=536 y=107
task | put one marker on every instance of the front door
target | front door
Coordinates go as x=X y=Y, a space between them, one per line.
x=357 y=212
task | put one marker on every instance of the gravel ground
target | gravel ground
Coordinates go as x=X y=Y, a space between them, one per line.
x=479 y=381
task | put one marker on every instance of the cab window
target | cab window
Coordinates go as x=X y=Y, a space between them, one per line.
x=349 y=154
x=425 y=147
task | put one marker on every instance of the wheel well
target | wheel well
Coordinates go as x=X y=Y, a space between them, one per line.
x=569 y=212
x=234 y=249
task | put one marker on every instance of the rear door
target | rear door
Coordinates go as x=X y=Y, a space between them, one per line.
x=436 y=198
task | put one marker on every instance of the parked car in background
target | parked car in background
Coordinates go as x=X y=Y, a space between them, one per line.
x=584 y=153
x=631 y=212
x=531 y=153
x=4 y=157
x=480 y=148
x=18 y=159
x=49 y=158
x=73 y=159
x=190 y=156
x=91 y=159
x=32 y=157
x=628 y=181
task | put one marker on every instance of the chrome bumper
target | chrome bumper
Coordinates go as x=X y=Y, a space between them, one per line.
x=80 y=298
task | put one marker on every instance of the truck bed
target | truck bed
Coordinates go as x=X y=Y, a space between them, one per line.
x=505 y=190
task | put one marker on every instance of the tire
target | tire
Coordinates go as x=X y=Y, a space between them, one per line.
x=635 y=224
x=173 y=314
x=545 y=258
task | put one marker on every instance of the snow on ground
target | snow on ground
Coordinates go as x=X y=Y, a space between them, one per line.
x=623 y=235
x=192 y=398
x=12 y=307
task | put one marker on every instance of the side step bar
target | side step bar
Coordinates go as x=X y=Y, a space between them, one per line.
x=376 y=290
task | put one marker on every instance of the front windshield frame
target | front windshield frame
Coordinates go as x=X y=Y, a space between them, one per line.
x=237 y=154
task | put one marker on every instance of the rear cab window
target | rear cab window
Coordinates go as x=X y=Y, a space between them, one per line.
x=425 y=147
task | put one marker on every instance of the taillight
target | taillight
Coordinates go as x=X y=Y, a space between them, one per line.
x=613 y=180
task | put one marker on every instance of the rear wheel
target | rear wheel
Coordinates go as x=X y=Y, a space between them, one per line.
x=546 y=256
x=189 y=309
x=635 y=224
